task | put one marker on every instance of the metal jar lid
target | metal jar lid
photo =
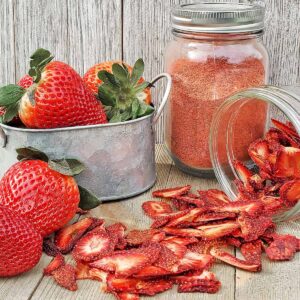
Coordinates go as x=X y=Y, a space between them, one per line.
x=222 y=17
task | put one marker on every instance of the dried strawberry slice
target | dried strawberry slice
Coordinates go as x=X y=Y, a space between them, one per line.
x=126 y=296
x=206 y=282
x=290 y=193
x=212 y=216
x=172 y=193
x=203 y=246
x=186 y=218
x=167 y=259
x=283 y=247
x=65 y=276
x=214 y=197
x=138 y=237
x=243 y=172
x=56 y=263
x=181 y=240
x=253 y=208
x=288 y=163
x=84 y=271
x=138 y=286
x=116 y=233
x=67 y=237
x=260 y=153
x=152 y=271
x=178 y=249
x=232 y=260
x=286 y=128
x=191 y=200
x=192 y=276
x=93 y=246
x=155 y=209
x=183 y=232
x=193 y=261
x=214 y=231
x=252 y=251
x=253 y=228
x=181 y=205
x=128 y=262
x=232 y=241
x=163 y=220
x=50 y=248
x=271 y=204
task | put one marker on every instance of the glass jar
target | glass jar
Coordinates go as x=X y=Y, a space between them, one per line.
x=285 y=106
x=216 y=51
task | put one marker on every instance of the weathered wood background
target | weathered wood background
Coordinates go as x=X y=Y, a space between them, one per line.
x=84 y=32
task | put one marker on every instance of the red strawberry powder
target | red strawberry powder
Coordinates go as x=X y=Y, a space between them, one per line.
x=199 y=87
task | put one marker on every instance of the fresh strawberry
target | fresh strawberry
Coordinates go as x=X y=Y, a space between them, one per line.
x=138 y=286
x=20 y=244
x=290 y=193
x=35 y=191
x=65 y=276
x=155 y=209
x=252 y=251
x=93 y=81
x=253 y=228
x=172 y=193
x=128 y=262
x=56 y=263
x=232 y=260
x=116 y=233
x=26 y=81
x=283 y=247
x=288 y=163
x=66 y=238
x=92 y=246
x=58 y=97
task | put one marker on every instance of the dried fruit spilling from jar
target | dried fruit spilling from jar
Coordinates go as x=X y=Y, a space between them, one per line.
x=190 y=232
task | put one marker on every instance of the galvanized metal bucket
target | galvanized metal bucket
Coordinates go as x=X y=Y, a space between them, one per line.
x=119 y=157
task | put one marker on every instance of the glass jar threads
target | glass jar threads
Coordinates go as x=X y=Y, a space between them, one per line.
x=216 y=51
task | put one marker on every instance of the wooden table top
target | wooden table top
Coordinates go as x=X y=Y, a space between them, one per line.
x=277 y=281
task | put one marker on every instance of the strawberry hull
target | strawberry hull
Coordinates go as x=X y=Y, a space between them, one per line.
x=119 y=157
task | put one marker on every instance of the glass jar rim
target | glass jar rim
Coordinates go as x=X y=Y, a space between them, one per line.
x=281 y=98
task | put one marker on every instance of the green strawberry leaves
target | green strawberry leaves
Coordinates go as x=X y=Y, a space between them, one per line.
x=38 y=60
x=87 y=199
x=121 y=93
x=31 y=153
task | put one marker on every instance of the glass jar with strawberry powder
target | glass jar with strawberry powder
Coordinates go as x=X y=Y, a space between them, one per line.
x=216 y=51
x=274 y=159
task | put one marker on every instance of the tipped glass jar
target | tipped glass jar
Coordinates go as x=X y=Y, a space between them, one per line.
x=216 y=51
x=225 y=148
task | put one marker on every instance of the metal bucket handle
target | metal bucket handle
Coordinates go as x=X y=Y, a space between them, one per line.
x=165 y=97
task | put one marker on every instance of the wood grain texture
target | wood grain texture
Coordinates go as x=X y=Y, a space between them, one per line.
x=7 y=46
x=94 y=32
x=40 y=23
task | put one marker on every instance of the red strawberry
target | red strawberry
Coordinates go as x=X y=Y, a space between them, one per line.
x=20 y=244
x=92 y=246
x=67 y=237
x=26 y=82
x=43 y=196
x=93 y=81
x=58 y=97
x=57 y=262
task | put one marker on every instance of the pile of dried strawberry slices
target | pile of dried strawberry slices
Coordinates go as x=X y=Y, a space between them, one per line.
x=190 y=231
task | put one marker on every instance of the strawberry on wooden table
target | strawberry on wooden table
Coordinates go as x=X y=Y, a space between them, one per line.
x=42 y=190
x=57 y=98
x=20 y=244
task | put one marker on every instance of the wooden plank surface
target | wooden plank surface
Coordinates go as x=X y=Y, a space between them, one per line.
x=278 y=281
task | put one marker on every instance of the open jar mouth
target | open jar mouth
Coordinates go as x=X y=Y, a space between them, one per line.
x=226 y=137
